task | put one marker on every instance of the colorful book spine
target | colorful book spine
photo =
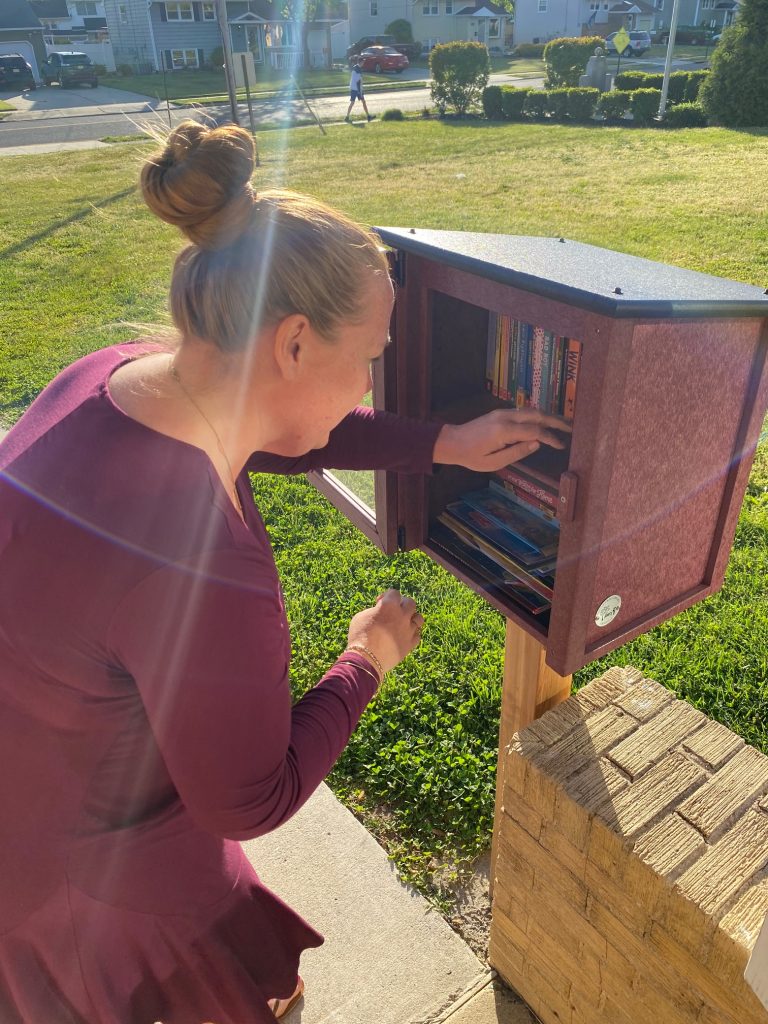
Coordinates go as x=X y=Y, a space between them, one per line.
x=537 y=362
x=547 y=362
x=572 y=360
x=557 y=388
x=514 y=356
x=504 y=388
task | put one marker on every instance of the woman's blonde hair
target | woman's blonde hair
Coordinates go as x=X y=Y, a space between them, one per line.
x=254 y=258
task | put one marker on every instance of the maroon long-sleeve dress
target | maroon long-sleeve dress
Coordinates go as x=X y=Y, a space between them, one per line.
x=145 y=715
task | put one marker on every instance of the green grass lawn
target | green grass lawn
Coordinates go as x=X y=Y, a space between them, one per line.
x=81 y=256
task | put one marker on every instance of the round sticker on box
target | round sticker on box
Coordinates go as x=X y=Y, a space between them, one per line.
x=608 y=610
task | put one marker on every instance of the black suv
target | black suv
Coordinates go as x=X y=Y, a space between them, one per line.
x=15 y=73
x=69 y=69
x=410 y=50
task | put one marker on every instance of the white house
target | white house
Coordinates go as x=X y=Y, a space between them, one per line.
x=538 y=21
x=76 y=25
x=433 y=21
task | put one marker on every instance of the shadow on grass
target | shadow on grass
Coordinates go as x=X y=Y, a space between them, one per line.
x=26 y=243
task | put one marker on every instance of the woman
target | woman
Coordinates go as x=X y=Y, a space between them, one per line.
x=146 y=720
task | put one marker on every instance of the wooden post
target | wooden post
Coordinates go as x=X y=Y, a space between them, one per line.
x=530 y=687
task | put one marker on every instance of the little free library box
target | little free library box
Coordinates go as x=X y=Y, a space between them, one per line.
x=662 y=373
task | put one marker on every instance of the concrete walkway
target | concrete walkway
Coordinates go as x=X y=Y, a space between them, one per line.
x=389 y=957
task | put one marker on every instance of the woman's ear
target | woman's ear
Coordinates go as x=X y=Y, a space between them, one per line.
x=291 y=338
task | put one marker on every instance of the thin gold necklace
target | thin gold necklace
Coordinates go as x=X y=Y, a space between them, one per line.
x=175 y=374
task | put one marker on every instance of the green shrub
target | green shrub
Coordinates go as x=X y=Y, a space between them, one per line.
x=695 y=81
x=100 y=70
x=124 y=70
x=401 y=29
x=644 y=104
x=566 y=59
x=582 y=103
x=492 y=103
x=216 y=58
x=459 y=74
x=685 y=115
x=512 y=101
x=531 y=50
x=614 y=105
x=393 y=114
x=557 y=104
x=535 y=103
x=735 y=93
x=678 y=85
x=630 y=80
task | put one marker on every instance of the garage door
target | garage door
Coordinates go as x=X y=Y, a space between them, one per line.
x=26 y=51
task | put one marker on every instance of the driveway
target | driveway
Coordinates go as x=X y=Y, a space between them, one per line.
x=52 y=100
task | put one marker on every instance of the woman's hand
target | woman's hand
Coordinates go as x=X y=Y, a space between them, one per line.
x=495 y=440
x=390 y=630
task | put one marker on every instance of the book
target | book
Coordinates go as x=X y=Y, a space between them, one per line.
x=537 y=357
x=541 y=585
x=523 y=498
x=470 y=556
x=572 y=360
x=524 y=526
x=483 y=526
x=543 y=492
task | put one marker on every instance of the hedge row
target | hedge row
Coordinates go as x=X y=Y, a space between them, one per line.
x=683 y=85
x=579 y=106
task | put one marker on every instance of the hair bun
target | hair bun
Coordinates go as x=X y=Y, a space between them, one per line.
x=200 y=181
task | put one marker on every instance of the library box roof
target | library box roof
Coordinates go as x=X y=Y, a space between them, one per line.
x=601 y=280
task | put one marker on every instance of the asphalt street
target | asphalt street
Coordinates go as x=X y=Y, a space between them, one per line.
x=51 y=116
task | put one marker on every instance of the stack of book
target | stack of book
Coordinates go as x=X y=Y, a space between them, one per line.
x=530 y=366
x=508 y=541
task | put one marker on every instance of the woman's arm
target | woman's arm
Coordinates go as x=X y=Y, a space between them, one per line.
x=208 y=647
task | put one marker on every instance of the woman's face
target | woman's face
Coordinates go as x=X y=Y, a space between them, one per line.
x=335 y=375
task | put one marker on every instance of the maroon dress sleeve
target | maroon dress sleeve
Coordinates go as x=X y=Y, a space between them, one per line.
x=365 y=439
x=209 y=650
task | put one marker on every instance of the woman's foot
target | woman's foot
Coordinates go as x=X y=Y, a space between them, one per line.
x=281 y=1007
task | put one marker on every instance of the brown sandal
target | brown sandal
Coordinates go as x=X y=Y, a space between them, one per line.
x=282 y=1007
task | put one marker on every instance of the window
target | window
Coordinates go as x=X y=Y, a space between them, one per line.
x=494 y=28
x=449 y=6
x=374 y=8
x=122 y=10
x=543 y=6
x=707 y=4
x=181 y=11
x=209 y=12
x=429 y=7
x=85 y=8
x=184 y=59
x=594 y=5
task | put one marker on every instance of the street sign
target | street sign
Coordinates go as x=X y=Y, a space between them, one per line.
x=621 y=40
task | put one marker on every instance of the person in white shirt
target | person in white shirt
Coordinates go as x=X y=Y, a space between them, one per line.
x=356 y=91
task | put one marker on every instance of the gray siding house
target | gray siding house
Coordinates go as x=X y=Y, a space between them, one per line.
x=171 y=35
x=538 y=21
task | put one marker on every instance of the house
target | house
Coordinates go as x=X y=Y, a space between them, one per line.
x=434 y=21
x=538 y=21
x=21 y=32
x=172 y=35
x=710 y=14
x=76 y=25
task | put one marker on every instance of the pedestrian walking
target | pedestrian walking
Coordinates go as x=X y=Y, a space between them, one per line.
x=356 y=91
x=146 y=719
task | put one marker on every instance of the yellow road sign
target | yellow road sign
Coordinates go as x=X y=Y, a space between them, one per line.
x=621 y=40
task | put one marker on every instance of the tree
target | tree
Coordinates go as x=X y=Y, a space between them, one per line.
x=401 y=29
x=735 y=93
x=459 y=74
x=302 y=13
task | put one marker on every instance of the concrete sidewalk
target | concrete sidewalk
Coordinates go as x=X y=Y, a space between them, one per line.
x=389 y=957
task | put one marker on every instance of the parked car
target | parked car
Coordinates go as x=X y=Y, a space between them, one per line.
x=69 y=68
x=16 y=73
x=639 y=42
x=409 y=49
x=382 y=58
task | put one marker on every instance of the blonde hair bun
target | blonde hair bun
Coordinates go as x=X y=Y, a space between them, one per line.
x=200 y=181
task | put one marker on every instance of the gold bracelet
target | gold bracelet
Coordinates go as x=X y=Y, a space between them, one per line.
x=368 y=654
x=370 y=671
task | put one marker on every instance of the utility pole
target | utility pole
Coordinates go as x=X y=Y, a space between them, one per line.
x=229 y=63
x=668 y=61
